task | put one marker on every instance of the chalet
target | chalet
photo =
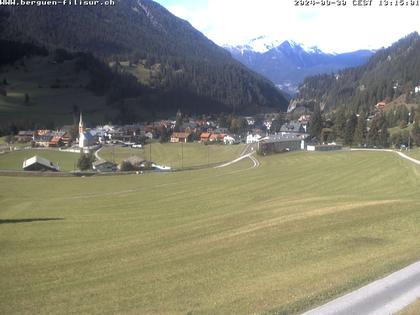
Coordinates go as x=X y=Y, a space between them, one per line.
x=104 y=166
x=205 y=137
x=37 y=163
x=180 y=137
x=42 y=138
x=381 y=105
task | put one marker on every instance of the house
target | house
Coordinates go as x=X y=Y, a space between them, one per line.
x=42 y=138
x=25 y=136
x=56 y=141
x=381 y=105
x=217 y=137
x=37 y=163
x=180 y=137
x=252 y=138
x=205 y=136
x=292 y=127
x=304 y=119
x=229 y=140
x=104 y=166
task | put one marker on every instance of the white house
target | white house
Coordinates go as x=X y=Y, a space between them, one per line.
x=252 y=138
x=229 y=140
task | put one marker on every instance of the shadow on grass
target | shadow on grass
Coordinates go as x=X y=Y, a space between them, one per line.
x=29 y=220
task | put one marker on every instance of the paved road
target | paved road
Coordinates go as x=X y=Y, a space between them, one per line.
x=382 y=297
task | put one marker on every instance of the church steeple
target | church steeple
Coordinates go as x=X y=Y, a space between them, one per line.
x=81 y=125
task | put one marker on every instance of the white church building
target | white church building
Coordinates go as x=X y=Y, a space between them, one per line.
x=86 y=139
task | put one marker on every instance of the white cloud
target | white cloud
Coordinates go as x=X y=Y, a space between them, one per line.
x=337 y=29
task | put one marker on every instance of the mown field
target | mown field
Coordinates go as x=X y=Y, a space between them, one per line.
x=13 y=160
x=176 y=155
x=297 y=231
x=413 y=309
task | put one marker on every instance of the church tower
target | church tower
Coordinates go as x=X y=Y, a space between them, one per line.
x=81 y=132
x=81 y=125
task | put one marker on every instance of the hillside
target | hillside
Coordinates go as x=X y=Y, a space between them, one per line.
x=391 y=73
x=177 y=65
x=288 y=63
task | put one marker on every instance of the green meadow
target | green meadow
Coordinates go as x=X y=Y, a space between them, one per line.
x=176 y=155
x=67 y=161
x=279 y=239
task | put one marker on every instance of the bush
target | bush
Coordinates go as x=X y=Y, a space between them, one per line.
x=85 y=161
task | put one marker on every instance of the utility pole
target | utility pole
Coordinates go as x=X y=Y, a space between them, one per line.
x=409 y=133
x=182 y=155
x=150 y=152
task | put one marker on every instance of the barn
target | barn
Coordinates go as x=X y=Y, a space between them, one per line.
x=37 y=163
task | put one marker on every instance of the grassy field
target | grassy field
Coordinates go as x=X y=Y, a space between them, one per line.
x=415 y=153
x=297 y=231
x=413 y=309
x=170 y=154
x=13 y=160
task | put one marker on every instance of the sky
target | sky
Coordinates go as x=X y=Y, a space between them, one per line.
x=332 y=29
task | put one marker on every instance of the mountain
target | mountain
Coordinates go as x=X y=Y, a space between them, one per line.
x=176 y=66
x=392 y=73
x=288 y=63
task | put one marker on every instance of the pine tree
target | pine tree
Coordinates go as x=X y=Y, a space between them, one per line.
x=340 y=123
x=315 y=125
x=373 y=134
x=350 y=128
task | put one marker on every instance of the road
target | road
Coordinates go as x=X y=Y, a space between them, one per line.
x=382 y=297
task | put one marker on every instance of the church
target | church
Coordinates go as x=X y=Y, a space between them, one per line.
x=86 y=139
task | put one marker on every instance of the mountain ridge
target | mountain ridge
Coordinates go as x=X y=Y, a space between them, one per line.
x=287 y=63
x=181 y=67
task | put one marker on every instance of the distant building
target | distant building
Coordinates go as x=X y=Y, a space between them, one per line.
x=217 y=137
x=381 y=105
x=180 y=137
x=280 y=143
x=324 y=147
x=86 y=139
x=37 y=163
x=104 y=166
x=205 y=136
x=25 y=136
x=229 y=140
x=292 y=127
x=253 y=138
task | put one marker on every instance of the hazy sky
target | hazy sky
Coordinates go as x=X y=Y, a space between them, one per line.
x=333 y=29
